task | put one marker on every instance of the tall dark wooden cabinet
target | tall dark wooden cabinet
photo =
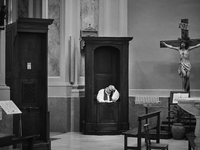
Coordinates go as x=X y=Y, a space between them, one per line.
x=106 y=63
x=26 y=74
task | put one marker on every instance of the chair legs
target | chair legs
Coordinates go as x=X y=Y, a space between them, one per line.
x=150 y=145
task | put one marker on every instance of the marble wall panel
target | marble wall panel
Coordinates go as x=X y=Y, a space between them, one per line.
x=64 y=114
x=89 y=13
x=23 y=8
x=89 y=18
x=54 y=39
x=59 y=114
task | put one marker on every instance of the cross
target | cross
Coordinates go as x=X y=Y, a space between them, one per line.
x=183 y=25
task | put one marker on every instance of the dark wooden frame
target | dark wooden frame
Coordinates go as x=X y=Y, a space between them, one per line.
x=28 y=87
x=90 y=114
x=175 y=92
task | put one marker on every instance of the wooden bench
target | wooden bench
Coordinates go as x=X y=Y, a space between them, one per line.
x=7 y=140
x=138 y=132
x=26 y=139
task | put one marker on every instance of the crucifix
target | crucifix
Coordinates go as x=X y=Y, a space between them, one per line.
x=183 y=45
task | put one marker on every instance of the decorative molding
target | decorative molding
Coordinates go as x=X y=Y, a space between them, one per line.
x=159 y=92
x=72 y=61
x=62 y=89
x=89 y=31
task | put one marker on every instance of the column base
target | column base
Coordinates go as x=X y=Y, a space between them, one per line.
x=4 y=92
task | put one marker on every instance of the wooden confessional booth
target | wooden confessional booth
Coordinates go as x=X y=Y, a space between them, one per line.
x=26 y=75
x=106 y=63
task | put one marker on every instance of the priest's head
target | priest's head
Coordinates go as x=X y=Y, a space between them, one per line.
x=110 y=89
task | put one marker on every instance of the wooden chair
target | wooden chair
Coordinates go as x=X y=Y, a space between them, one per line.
x=150 y=145
x=138 y=132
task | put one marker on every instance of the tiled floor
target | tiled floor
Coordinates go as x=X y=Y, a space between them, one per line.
x=78 y=141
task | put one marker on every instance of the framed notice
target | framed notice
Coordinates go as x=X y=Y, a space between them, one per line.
x=178 y=94
x=9 y=107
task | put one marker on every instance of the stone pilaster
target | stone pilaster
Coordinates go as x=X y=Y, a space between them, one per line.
x=6 y=120
x=4 y=90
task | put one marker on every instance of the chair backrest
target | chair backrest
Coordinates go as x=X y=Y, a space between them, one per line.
x=147 y=138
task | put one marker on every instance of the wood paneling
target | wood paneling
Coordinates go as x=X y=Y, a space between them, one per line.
x=26 y=74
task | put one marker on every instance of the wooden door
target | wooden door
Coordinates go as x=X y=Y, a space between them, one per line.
x=30 y=83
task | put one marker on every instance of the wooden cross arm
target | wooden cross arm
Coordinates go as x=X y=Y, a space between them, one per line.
x=194 y=42
x=175 y=43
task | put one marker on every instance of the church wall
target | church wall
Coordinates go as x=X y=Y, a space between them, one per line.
x=64 y=52
x=111 y=23
x=64 y=114
x=153 y=70
x=61 y=92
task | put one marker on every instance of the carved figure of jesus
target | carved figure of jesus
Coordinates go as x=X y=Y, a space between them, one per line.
x=184 y=64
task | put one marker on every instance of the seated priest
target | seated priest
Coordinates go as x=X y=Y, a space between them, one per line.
x=108 y=95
